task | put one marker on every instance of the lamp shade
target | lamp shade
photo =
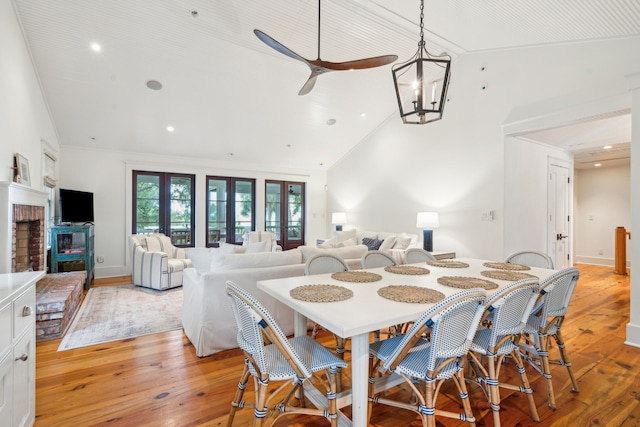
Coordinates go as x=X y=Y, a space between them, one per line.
x=338 y=218
x=428 y=220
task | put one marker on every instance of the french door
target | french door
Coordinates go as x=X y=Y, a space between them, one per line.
x=164 y=203
x=285 y=212
x=230 y=209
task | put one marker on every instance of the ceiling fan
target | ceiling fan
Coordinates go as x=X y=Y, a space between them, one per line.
x=318 y=66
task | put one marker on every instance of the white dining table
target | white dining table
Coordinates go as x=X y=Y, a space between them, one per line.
x=367 y=312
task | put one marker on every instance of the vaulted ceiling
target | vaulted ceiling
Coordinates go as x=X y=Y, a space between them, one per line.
x=229 y=96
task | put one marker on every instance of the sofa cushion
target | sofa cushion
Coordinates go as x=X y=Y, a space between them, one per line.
x=341 y=236
x=159 y=243
x=363 y=234
x=228 y=248
x=329 y=243
x=252 y=248
x=402 y=241
x=201 y=257
x=372 y=244
x=347 y=252
x=348 y=242
x=226 y=262
x=387 y=243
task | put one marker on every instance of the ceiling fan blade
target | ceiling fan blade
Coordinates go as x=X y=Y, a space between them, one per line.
x=358 y=64
x=276 y=45
x=310 y=83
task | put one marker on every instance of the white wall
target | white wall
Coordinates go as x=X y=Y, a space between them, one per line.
x=603 y=202
x=24 y=117
x=525 y=201
x=108 y=175
x=456 y=166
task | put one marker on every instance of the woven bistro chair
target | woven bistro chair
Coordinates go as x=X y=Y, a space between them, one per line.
x=293 y=360
x=509 y=309
x=453 y=323
x=416 y=255
x=323 y=264
x=545 y=322
x=373 y=259
x=531 y=258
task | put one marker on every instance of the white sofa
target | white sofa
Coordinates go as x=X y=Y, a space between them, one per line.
x=155 y=262
x=393 y=244
x=206 y=314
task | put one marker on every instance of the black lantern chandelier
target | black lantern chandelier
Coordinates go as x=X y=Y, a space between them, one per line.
x=422 y=83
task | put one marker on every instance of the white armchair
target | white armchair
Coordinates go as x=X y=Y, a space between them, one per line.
x=260 y=236
x=155 y=262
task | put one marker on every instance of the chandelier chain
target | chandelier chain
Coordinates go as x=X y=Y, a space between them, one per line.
x=421 y=23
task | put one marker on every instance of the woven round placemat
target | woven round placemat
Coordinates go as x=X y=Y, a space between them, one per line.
x=412 y=294
x=321 y=293
x=406 y=269
x=506 y=275
x=356 y=276
x=448 y=264
x=467 y=282
x=506 y=266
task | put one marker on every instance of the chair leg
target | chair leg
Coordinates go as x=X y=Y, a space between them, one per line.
x=543 y=352
x=238 y=397
x=564 y=357
x=340 y=345
x=428 y=415
x=494 y=391
x=525 y=384
x=260 y=410
x=464 y=397
x=331 y=397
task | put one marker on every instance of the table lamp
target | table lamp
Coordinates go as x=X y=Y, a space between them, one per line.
x=428 y=221
x=338 y=219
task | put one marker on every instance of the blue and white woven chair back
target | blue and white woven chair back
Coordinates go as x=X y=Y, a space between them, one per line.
x=557 y=291
x=416 y=255
x=510 y=308
x=373 y=259
x=531 y=258
x=324 y=263
x=453 y=322
x=251 y=318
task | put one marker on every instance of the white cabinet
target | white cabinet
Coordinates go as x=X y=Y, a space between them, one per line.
x=17 y=348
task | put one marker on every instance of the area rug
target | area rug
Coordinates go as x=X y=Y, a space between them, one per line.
x=113 y=313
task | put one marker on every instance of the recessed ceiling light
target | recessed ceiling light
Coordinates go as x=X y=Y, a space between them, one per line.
x=288 y=145
x=607 y=147
x=331 y=122
x=96 y=47
x=170 y=128
x=92 y=138
x=154 y=85
x=598 y=165
x=231 y=154
x=363 y=114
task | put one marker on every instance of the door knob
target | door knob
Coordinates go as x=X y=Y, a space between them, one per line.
x=24 y=357
x=27 y=311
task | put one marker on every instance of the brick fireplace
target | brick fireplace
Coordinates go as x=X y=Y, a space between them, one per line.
x=28 y=239
x=23 y=228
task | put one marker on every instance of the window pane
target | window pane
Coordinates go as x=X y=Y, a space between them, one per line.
x=243 y=208
x=294 y=202
x=147 y=204
x=216 y=223
x=180 y=222
x=273 y=210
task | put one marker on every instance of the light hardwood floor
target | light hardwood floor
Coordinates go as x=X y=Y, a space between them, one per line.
x=157 y=380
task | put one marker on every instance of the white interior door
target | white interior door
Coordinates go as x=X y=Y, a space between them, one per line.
x=559 y=215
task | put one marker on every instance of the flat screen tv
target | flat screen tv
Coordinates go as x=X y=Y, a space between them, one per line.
x=76 y=206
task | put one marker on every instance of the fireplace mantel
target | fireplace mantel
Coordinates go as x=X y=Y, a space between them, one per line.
x=11 y=194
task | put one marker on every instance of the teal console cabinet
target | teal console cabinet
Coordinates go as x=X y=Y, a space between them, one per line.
x=72 y=250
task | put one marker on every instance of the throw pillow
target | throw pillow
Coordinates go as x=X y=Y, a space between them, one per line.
x=372 y=244
x=388 y=243
x=402 y=241
x=253 y=248
x=328 y=244
x=228 y=248
x=345 y=235
x=348 y=242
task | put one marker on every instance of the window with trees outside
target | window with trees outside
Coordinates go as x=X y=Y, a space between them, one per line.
x=230 y=209
x=284 y=212
x=164 y=203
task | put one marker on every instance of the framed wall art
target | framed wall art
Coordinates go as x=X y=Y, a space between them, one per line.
x=22 y=170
